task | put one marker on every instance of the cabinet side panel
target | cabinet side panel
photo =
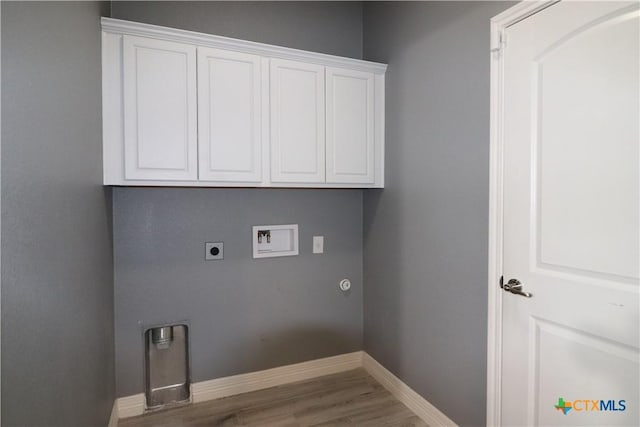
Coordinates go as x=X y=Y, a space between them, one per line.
x=112 y=125
x=379 y=133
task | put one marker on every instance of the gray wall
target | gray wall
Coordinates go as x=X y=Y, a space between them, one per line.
x=57 y=294
x=245 y=314
x=425 y=305
x=328 y=27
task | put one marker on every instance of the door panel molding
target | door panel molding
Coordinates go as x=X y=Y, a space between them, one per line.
x=499 y=24
x=599 y=333
x=541 y=329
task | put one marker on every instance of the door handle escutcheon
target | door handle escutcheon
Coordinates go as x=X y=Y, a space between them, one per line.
x=515 y=287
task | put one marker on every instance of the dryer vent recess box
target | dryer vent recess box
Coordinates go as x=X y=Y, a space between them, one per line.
x=275 y=240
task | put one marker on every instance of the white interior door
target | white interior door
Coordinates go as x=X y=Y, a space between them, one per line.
x=229 y=116
x=160 y=122
x=350 y=126
x=297 y=122
x=571 y=220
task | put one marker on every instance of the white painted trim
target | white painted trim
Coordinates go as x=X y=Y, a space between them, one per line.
x=405 y=394
x=244 y=383
x=203 y=391
x=201 y=39
x=379 y=132
x=130 y=406
x=0 y=199
x=228 y=386
x=114 y=182
x=499 y=24
x=113 y=419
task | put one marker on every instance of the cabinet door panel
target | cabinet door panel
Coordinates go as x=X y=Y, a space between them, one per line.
x=159 y=80
x=350 y=126
x=297 y=122
x=229 y=111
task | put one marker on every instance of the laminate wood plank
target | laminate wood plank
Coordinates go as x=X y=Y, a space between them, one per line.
x=351 y=398
x=282 y=394
x=284 y=398
x=392 y=413
x=316 y=402
x=325 y=413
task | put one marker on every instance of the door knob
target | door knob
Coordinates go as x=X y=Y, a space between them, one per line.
x=515 y=287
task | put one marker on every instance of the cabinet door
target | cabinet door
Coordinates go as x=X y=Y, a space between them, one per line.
x=229 y=116
x=297 y=122
x=350 y=126
x=160 y=123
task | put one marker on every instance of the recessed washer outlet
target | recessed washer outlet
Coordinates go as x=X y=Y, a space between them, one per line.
x=213 y=250
x=275 y=240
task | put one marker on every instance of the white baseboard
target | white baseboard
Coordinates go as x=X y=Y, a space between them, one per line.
x=113 y=419
x=244 y=383
x=405 y=394
x=131 y=406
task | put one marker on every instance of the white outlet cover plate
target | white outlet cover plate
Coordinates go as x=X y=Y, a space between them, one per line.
x=318 y=244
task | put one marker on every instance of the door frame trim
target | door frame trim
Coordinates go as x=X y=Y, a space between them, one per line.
x=499 y=24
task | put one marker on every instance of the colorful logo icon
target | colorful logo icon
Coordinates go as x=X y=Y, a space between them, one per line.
x=590 y=405
x=563 y=406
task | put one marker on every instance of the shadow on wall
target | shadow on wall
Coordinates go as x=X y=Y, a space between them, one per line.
x=425 y=235
x=379 y=305
x=291 y=346
x=108 y=210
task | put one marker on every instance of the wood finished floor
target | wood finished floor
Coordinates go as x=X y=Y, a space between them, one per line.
x=351 y=398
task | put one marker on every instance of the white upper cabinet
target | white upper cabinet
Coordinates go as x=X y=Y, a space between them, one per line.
x=297 y=122
x=159 y=82
x=189 y=109
x=229 y=116
x=350 y=126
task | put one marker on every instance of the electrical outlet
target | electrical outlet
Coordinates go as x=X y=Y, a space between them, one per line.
x=318 y=244
x=213 y=250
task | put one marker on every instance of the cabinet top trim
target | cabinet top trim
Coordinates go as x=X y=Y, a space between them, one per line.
x=120 y=26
